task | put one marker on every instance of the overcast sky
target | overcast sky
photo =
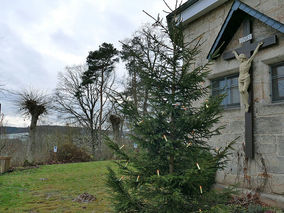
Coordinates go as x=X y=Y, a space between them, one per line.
x=38 y=38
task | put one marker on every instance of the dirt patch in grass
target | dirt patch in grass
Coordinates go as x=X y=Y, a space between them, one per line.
x=85 y=198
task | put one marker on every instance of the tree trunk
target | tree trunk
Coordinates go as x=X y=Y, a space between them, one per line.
x=173 y=88
x=101 y=112
x=94 y=139
x=134 y=90
x=115 y=122
x=171 y=164
x=145 y=104
x=33 y=122
x=121 y=128
x=31 y=143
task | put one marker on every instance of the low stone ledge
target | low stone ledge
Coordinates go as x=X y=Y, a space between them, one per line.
x=274 y=200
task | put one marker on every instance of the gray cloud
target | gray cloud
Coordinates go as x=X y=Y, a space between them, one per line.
x=19 y=64
x=66 y=42
x=39 y=38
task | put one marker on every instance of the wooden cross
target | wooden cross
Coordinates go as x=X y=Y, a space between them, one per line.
x=247 y=48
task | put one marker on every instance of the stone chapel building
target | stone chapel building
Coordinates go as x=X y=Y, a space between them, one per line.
x=258 y=159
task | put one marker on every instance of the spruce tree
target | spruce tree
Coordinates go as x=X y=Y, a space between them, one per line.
x=174 y=166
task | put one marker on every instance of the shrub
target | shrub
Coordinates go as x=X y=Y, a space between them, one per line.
x=69 y=153
x=28 y=163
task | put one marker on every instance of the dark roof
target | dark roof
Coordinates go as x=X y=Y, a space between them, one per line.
x=238 y=12
x=182 y=8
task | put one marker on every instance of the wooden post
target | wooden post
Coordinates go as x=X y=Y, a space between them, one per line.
x=247 y=48
x=4 y=164
x=249 y=145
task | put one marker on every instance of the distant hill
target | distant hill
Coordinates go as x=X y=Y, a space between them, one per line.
x=14 y=130
x=44 y=129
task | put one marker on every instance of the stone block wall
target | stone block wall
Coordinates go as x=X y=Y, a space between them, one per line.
x=47 y=137
x=266 y=171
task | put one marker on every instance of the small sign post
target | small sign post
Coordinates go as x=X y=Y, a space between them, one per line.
x=55 y=149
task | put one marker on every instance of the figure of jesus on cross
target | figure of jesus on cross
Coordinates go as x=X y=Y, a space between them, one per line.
x=244 y=76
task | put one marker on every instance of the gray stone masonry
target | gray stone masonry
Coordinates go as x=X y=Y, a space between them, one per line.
x=266 y=172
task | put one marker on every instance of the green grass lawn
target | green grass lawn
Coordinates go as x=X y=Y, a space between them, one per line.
x=52 y=188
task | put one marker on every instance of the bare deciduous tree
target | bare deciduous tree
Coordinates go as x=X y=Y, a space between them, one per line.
x=81 y=104
x=139 y=53
x=34 y=104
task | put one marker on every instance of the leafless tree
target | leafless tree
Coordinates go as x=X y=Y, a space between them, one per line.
x=34 y=104
x=81 y=104
x=140 y=53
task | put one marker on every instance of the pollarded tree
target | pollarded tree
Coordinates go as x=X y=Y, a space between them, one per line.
x=174 y=167
x=34 y=104
x=100 y=67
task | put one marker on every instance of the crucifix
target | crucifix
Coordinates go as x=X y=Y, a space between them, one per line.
x=246 y=54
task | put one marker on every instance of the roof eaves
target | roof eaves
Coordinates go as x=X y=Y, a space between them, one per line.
x=180 y=9
x=241 y=7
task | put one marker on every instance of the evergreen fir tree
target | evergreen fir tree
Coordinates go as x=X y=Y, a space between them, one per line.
x=174 y=167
